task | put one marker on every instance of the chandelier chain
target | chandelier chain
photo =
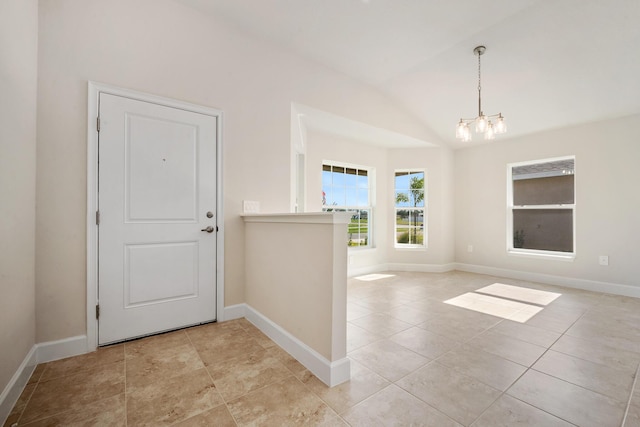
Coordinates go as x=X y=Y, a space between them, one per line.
x=479 y=88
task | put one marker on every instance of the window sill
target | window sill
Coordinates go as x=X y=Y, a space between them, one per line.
x=556 y=256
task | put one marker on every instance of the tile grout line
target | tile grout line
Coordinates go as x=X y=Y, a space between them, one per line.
x=126 y=414
x=540 y=409
x=30 y=396
x=224 y=401
x=427 y=403
x=580 y=358
x=321 y=399
x=56 y=378
x=293 y=374
x=529 y=368
x=577 y=385
x=435 y=360
x=587 y=310
x=633 y=388
x=390 y=382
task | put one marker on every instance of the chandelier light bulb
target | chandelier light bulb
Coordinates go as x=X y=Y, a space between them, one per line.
x=466 y=137
x=481 y=123
x=490 y=132
x=460 y=130
x=500 y=126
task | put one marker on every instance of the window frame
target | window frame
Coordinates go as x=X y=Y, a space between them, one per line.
x=539 y=253
x=356 y=209
x=425 y=228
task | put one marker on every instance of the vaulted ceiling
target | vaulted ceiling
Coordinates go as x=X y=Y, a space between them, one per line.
x=548 y=64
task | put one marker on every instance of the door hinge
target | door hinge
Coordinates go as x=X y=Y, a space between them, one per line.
x=97 y=217
x=98 y=124
x=97 y=311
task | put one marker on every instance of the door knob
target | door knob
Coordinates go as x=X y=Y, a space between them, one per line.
x=209 y=229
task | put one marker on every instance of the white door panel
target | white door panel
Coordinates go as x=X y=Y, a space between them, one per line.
x=159 y=273
x=160 y=165
x=157 y=172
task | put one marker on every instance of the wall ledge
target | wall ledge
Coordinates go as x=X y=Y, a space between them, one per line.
x=300 y=217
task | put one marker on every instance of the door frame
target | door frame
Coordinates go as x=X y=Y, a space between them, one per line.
x=94 y=90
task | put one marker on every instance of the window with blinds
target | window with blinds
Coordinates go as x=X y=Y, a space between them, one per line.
x=542 y=205
x=348 y=188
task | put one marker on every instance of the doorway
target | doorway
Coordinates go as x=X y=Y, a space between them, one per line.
x=156 y=236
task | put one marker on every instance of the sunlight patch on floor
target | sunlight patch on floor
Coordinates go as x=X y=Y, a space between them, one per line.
x=506 y=301
x=526 y=295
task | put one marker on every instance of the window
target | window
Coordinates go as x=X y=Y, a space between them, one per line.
x=541 y=203
x=347 y=188
x=410 y=201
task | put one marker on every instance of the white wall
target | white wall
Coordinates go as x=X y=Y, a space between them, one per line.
x=18 y=68
x=607 y=200
x=164 y=48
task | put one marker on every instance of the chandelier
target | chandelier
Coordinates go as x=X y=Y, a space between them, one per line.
x=483 y=123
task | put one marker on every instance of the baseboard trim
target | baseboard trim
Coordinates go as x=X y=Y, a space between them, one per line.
x=234 y=312
x=18 y=382
x=39 y=353
x=54 y=350
x=380 y=268
x=370 y=269
x=570 y=282
x=422 y=268
x=330 y=373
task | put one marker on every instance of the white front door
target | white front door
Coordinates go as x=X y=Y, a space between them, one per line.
x=157 y=192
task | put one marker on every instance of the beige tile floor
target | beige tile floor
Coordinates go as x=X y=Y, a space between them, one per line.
x=415 y=361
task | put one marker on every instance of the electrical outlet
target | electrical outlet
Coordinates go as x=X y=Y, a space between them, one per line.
x=604 y=260
x=250 y=206
x=469 y=248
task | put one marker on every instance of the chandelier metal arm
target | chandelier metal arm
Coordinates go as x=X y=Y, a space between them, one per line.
x=488 y=116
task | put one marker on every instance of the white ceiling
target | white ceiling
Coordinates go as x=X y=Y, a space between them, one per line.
x=548 y=64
